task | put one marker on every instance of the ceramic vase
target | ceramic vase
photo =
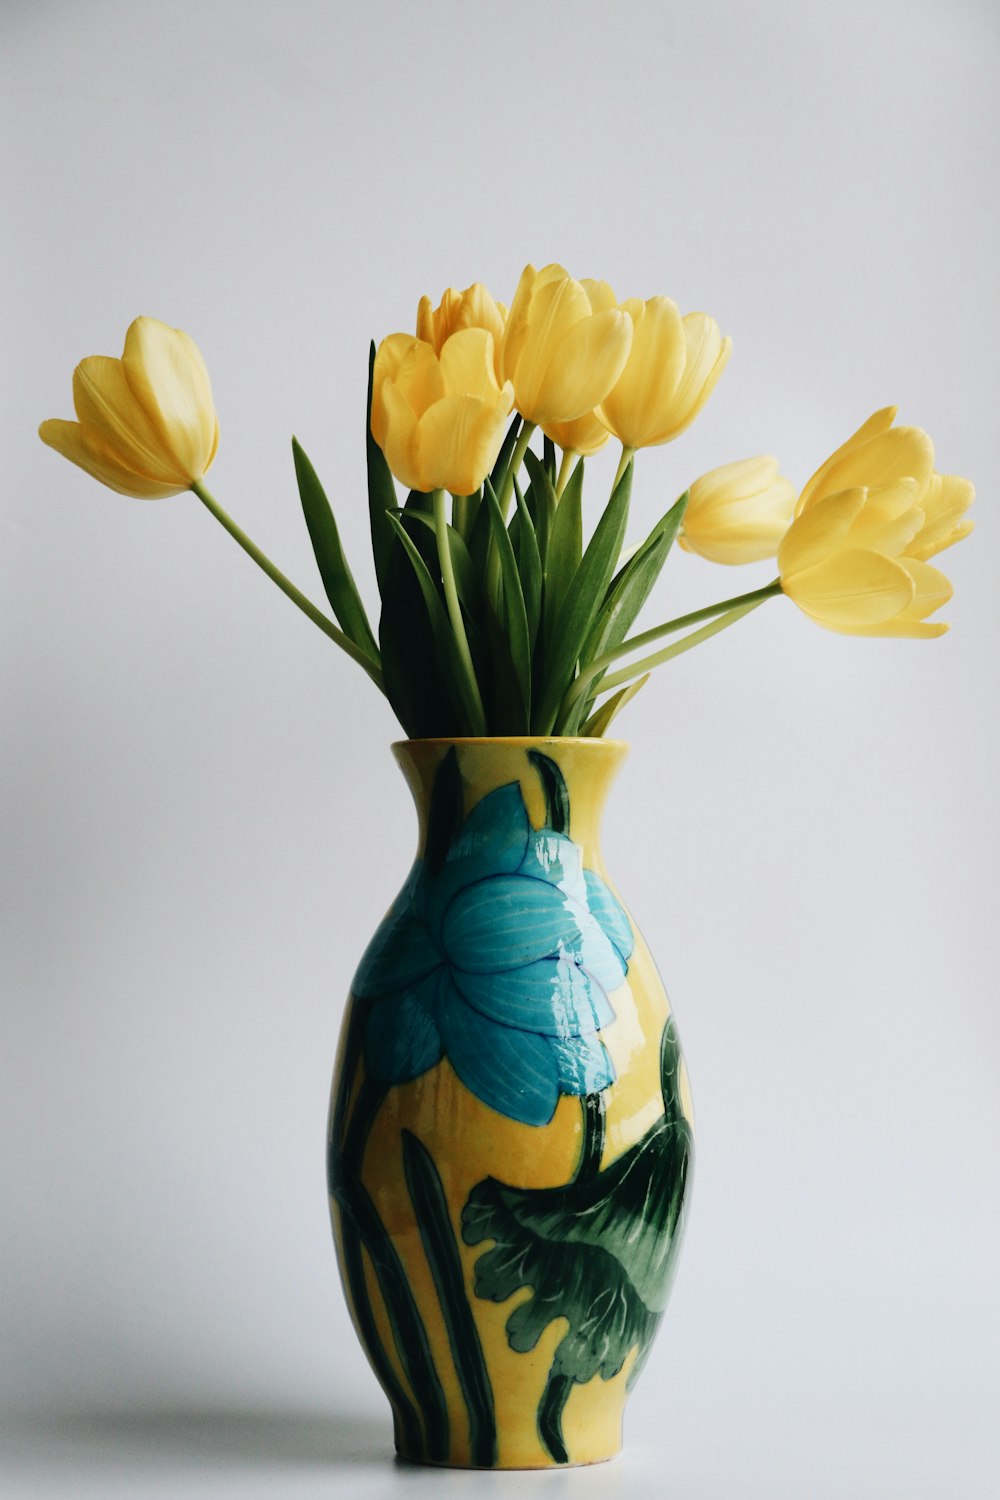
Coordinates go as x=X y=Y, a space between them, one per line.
x=510 y=1130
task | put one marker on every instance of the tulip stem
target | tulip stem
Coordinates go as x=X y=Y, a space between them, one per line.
x=565 y=468
x=455 y=610
x=287 y=587
x=627 y=455
x=514 y=467
x=730 y=609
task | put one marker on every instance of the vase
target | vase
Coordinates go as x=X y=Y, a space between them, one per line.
x=510 y=1134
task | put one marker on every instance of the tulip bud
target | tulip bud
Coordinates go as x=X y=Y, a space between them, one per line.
x=670 y=373
x=439 y=420
x=738 y=513
x=146 y=423
x=564 y=346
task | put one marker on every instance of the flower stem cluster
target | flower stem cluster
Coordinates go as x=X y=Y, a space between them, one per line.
x=496 y=616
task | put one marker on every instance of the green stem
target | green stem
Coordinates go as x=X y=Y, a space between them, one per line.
x=600 y=665
x=565 y=469
x=287 y=587
x=627 y=455
x=637 y=668
x=514 y=467
x=455 y=610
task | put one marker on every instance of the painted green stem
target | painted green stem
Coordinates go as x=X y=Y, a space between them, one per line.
x=441 y=1248
x=455 y=611
x=736 y=607
x=287 y=587
x=550 y=1414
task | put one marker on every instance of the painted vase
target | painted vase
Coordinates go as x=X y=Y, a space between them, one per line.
x=510 y=1131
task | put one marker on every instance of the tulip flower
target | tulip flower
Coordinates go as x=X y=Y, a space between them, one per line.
x=738 y=513
x=564 y=346
x=439 y=419
x=146 y=423
x=584 y=435
x=473 y=308
x=670 y=373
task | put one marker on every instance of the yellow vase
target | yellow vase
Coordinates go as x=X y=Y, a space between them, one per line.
x=510 y=1124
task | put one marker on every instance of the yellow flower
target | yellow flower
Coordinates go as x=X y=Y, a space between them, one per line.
x=439 y=420
x=146 y=423
x=473 y=308
x=854 y=558
x=671 y=371
x=564 y=346
x=738 y=513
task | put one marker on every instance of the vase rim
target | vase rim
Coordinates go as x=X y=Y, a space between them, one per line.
x=514 y=739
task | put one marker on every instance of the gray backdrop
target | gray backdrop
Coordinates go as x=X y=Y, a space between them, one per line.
x=201 y=822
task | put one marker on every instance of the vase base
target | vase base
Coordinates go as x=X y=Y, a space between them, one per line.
x=512 y=1468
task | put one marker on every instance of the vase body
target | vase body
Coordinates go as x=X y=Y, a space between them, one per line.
x=510 y=1132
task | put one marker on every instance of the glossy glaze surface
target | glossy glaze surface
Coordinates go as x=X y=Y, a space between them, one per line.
x=510 y=1126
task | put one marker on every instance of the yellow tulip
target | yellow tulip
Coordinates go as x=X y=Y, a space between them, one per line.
x=670 y=373
x=473 y=308
x=146 y=423
x=564 y=346
x=738 y=513
x=439 y=419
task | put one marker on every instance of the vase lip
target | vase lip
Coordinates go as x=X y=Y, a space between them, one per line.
x=513 y=740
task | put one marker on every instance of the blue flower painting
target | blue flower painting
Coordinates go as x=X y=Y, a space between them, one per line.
x=500 y=954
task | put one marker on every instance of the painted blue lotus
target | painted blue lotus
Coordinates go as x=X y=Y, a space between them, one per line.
x=501 y=959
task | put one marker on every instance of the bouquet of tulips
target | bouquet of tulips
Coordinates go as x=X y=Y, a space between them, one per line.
x=498 y=616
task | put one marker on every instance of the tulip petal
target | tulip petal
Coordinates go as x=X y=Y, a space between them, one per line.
x=852 y=588
x=458 y=440
x=889 y=519
x=557 y=306
x=586 y=362
x=76 y=444
x=109 y=411
x=879 y=421
x=388 y=358
x=944 y=502
x=638 y=407
x=584 y=435
x=817 y=532
x=399 y=437
x=898 y=453
x=707 y=354
x=168 y=377
x=467 y=364
x=932 y=588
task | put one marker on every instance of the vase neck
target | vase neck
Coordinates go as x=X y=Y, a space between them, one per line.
x=564 y=781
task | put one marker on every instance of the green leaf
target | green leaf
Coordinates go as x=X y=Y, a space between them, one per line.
x=413 y=677
x=513 y=616
x=629 y=591
x=381 y=491
x=338 y=581
x=444 y=639
x=549 y=457
x=582 y=600
x=599 y=1252
x=465 y=573
x=541 y=501
x=504 y=456
x=562 y=557
x=529 y=564
x=600 y=721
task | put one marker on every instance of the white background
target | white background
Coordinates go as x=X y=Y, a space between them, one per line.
x=201 y=822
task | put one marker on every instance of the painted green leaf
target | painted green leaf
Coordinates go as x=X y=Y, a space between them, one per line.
x=338 y=580
x=599 y=1252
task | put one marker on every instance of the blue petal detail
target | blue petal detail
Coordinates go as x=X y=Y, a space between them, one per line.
x=553 y=996
x=401 y=953
x=492 y=842
x=515 y=1072
x=583 y=1063
x=556 y=859
x=402 y=1039
x=610 y=913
